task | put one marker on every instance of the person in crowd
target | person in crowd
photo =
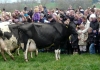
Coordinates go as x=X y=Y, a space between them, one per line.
x=74 y=43
x=45 y=11
x=82 y=39
x=95 y=26
x=43 y=19
x=41 y=9
x=30 y=13
x=28 y=18
x=3 y=12
x=91 y=40
x=86 y=23
x=78 y=18
x=36 y=15
x=51 y=19
x=15 y=17
x=98 y=18
x=92 y=13
x=8 y=17
x=54 y=14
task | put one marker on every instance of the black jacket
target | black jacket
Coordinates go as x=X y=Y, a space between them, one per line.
x=94 y=25
x=92 y=38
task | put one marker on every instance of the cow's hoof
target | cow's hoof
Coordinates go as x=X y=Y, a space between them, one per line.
x=31 y=57
x=26 y=60
x=5 y=59
x=18 y=54
x=56 y=59
x=12 y=58
x=36 y=55
x=59 y=58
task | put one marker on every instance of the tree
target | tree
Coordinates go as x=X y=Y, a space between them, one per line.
x=64 y=4
x=44 y=2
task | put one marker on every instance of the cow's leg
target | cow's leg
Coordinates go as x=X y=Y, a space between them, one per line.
x=18 y=51
x=59 y=53
x=25 y=54
x=56 y=54
x=26 y=51
x=4 y=48
x=22 y=46
x=36 y=53
x=31 y=54
x=2 y=53
x=9 y=53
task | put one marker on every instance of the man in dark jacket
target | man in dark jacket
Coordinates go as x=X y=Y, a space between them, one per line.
x=30 y=13
x=95 y=26
x=51 y=19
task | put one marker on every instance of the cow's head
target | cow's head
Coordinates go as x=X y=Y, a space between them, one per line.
x=70 y=28
x=67 y=21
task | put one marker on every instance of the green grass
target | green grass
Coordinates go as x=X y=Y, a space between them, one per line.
x=48 y=5
x=46 y=61
x=51 y=5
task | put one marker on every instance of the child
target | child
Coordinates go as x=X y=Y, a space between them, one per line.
x=82 y=39
x=36 y=15
x=92 y=40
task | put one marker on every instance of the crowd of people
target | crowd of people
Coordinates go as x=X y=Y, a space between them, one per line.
x=85 y=21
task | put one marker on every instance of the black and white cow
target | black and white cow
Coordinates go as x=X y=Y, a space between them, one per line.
x=4 y=36
x=21 y=37
x=9 y=39
x=46 y=34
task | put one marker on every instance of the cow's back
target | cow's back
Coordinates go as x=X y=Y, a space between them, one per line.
x=42 y=34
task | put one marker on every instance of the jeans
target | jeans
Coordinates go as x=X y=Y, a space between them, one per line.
x=92 y=48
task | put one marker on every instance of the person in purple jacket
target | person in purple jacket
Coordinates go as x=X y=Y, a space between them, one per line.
x=36 y=15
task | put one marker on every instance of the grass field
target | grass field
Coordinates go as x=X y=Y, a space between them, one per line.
x=46 y=61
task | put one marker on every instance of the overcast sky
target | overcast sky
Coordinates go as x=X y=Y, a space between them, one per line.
x=11 y=1
x=8 y=1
